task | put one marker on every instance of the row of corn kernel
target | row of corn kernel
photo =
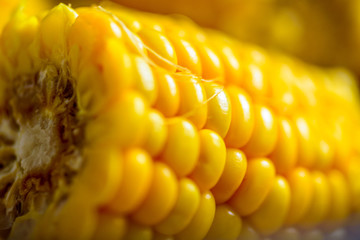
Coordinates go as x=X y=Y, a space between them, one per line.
x=227 y=225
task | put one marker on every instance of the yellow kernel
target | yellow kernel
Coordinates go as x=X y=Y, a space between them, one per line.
x=258 y=181
x=129 y=18
x=157 y=133
x=144 y=81
x=255 y=83
x=211 y=162
x=301 y=187
x=226 y=225
x=161 y=50
x=127 y=118
x=186 y=54
x=75 y=220
x=137 y=176
x=161 y=196
x=325 y=155
x=352 y=173
x=219 y=109
x=306 y=142
x=168 y=100
x=212 y=68
x=233 y=68
x=89 y=31
x=110 y=73
x=227 y=52
x=110 y=227
x=342 y=145
x=184 y=210
x=232 y=176
x=53 y=39
x=242 y=118
x=135 y=44
x=90 y=101
x=340 y=197
x=101 y=176
x=270 y=216
x=19 y=34
x=182 y=148
x=247 y=232
x=320 y=202
x=137 y=232
x=265 y=134
x=192 y=100
x=304 y=90
x=117 y=67
x=202 y=220
x=284 y=155
x=282 y=97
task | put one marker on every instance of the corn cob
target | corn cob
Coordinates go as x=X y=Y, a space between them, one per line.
x=117 y=124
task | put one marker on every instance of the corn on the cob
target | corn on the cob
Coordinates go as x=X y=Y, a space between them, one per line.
x=117 y=124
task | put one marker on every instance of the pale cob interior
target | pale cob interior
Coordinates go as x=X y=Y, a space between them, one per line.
x=113 y=121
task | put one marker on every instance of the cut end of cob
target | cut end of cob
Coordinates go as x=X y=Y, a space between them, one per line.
x=119 y=124
x=42 y=131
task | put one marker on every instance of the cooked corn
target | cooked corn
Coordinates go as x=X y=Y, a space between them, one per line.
x=117 y=124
